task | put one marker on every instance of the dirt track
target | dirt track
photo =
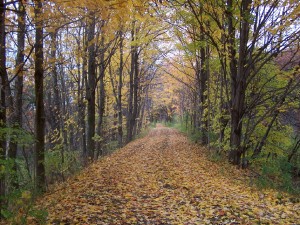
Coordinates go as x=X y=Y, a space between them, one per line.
x=163 y=179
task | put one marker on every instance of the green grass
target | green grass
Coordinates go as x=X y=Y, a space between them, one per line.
x=276 y=174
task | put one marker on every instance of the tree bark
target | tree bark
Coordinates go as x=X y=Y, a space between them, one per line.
x=101 y=106
x=203 y=90
x=91 y=89
x=18 y=102
x=131 y=89
x=57 y=122
x=239 y=74
x=39 y=102
x=262 y=142
x=81 y=104
x=135 y=92
x=119 y=103
x=294 y=150
x=3 y=74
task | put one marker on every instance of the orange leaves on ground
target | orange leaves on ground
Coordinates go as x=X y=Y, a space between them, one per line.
x=163 y=179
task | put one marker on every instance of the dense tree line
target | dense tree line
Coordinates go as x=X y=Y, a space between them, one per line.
x=238 y=66
x=75 y=84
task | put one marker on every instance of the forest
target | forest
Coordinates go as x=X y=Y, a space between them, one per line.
x=82 y=78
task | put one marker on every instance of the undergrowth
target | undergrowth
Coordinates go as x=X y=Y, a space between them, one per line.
x=273 y=173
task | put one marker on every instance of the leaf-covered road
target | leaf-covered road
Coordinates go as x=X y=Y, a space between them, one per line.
x=163 y=179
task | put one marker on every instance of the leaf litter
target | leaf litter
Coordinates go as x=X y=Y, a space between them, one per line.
x=163 y=179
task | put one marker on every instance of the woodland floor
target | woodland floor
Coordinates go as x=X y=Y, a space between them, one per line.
x=164 y=179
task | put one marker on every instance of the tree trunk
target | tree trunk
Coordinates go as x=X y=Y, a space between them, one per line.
x=3 y=74
x=131 y=90
x=261 y=143
x=234 y=155
x=101 y=106
x=239 y=74
x=64 y=108
x=18 y=102
x=203 y=92
x=57 y=122
x=294 y=150
x=142 y=110
x=39 y=102
x=135 y=93
x=119 y=103
x=81 y=104
x=91 y=89
x=203 y=83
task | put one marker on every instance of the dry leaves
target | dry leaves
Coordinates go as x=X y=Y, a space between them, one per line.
x=163 y=179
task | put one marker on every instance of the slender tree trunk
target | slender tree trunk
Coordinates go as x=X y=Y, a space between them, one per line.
x=208 y=100
x=18 y=102
x=56 y=96
x=81 y=115
x=197 y=104
x=224 y=97
x=203 y=83
x=39 y=102
x=142 y=110
x=203 y=92
x=261 y=143
x=55 y=107
x=91 y=89
x=3 y=74
x=101 y=111
x=223 y=121
x=294 y=150
x=120 y=85
x=81 y=103
x=131 y=90
x=65 y=114
x=101 y=106
x=135 y=93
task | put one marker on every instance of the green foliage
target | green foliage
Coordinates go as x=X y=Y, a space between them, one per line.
x=215 y=156
x=275 y=170
x=60 y=164
x=213 y=138
x=40 y=215
x=169 y=123
x=195 y=136
x=182 y=128
x=6 y=168
x=16 y=135
x=97 y=138
x=153 y=124
x=24 y=176
x=21 y=206
x=276 y=173
x=294 y=149
x=19 y=197
x=144 y=132
x=111 y=146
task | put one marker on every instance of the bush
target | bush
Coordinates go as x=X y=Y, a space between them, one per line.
x=20 y=196
x=152 y=124
x=61 y=164
x=20 y=208
x=276 y=173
